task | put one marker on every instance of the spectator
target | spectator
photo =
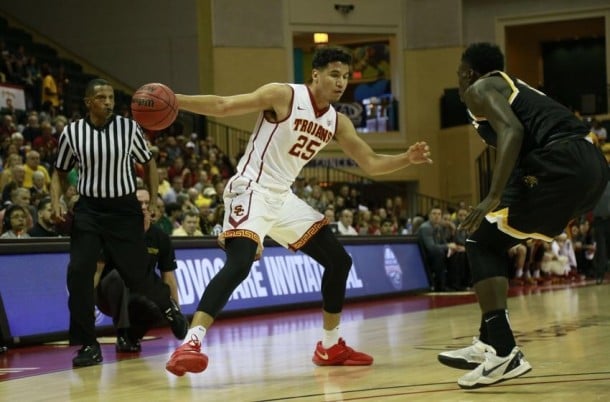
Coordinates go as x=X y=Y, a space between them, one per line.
x=584 y=248
x=21 y=196
x=164 y=185
x=433 y=238
x=46 y=144
x=344 y=226
x=209 y=197
x=32 y=164
x=14 y=223
x=45 y=225
x=32 y=130
x=159 y=217
x=189 y=226
x=219 y=213
x=7 y=174
x=386 y=228
x=39 y=189
x=174 y=191
x=50 y=95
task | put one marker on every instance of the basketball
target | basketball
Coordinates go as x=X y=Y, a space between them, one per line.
x=154 y=106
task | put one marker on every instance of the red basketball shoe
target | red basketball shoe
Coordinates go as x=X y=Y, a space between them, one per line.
x=340 y=355
x=187 y=358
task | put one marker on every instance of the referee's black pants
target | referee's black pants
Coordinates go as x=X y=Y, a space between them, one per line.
x=115 y=225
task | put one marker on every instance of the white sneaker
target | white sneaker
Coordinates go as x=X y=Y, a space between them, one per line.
x=466 y=358
x=496 y=369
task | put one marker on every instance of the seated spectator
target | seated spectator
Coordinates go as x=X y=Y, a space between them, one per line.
x=458 y=270
x=46 y=144
x=32 y=129
x=159 y=217
x=203 y=181
x=315 y=198
x=14 y=223
x=584 y=248
x=387 y=228
x=219 y=213
x=174 y=191
x=45 y=226
x=32 y=164
x=7 y=176
x=189 y=226
x=39 y=190
x=208 y=198
x=432 y=236
x=561 y=246
x=374 y=226
x=344 y=225
x=164 y=185
x=21 y=196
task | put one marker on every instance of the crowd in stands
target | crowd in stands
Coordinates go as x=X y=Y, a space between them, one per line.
x=193 y=172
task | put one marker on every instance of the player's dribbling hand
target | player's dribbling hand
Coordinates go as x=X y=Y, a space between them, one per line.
x=419 y=153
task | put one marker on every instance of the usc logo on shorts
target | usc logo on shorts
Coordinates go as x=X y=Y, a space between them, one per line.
x=238 y=210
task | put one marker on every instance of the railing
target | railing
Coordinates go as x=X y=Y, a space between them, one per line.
x=333 y=174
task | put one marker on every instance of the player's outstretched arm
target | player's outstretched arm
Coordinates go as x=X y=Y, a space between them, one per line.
x=267 y=97
x=371 y=162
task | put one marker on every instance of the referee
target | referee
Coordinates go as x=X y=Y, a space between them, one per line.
x=107 y=215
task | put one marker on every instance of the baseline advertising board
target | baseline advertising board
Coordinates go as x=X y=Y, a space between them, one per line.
x=34 y=294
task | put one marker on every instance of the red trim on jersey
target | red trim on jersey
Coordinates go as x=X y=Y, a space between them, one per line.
x=260 y=172
x=258 y=130
x=289 y=114
x=318 y=112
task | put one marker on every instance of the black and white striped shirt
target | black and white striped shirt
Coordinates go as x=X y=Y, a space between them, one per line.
x=105 y=156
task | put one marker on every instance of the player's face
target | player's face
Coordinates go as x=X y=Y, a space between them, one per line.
x=101 y=103
x=465 y=75
x=332 y=80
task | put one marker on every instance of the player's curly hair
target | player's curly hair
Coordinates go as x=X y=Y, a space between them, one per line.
x=329 y=54
x=483 y=57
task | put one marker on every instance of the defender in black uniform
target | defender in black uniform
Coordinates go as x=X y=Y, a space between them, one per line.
x=547 y=171
x=133 y=314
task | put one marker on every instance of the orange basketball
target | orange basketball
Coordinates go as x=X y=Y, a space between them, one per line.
x=154 y=106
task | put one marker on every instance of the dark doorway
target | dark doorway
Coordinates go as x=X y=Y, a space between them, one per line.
x=575 y=74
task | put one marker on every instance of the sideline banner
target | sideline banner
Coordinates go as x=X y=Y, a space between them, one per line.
x=33 y=286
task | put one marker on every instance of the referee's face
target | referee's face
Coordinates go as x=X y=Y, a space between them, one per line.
x=100 y=104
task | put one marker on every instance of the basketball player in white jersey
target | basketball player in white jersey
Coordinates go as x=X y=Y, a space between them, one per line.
x=295 y=123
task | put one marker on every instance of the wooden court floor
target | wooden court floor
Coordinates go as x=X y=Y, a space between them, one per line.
x=564 y=332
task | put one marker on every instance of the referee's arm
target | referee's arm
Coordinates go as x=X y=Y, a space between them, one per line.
x=151 y=178
x=59 y=185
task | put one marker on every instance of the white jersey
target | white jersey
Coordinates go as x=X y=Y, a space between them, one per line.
x=278 y=151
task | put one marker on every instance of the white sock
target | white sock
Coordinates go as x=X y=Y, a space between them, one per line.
x=197 y=332
x=330 y=338
x=519 y=273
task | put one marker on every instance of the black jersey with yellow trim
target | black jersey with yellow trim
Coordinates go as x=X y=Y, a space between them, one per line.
x=544 y=120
